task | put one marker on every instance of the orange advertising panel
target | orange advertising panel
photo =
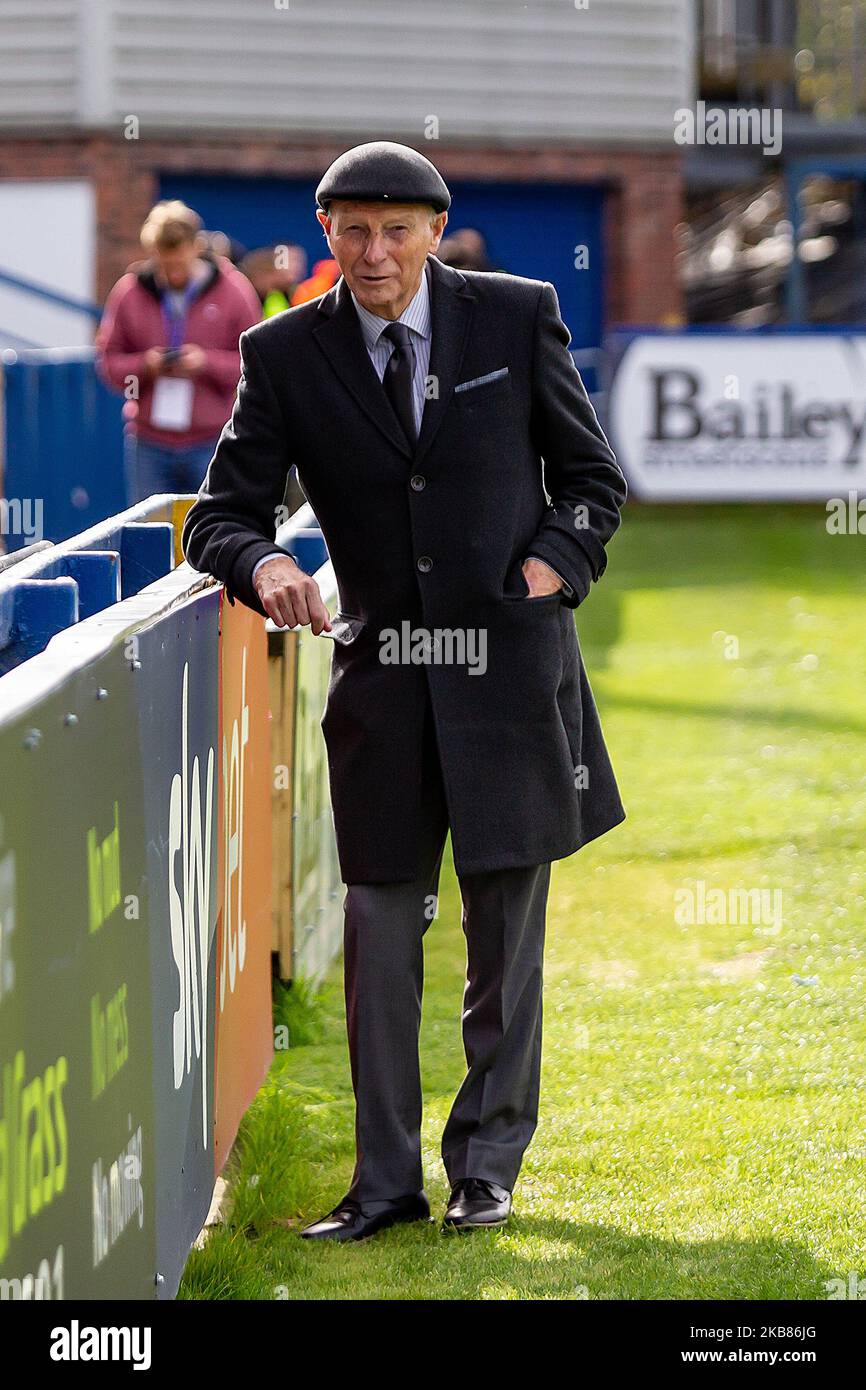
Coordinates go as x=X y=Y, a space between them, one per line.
x=244 y=1029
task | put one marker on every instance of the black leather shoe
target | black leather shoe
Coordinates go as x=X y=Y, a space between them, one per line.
x=352 y=1220
x=476 y=1204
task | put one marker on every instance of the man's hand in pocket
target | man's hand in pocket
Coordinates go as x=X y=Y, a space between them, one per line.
x=540 y=578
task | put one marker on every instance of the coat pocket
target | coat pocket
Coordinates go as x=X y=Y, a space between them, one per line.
x=346 y=628
x=524 y=663
x=498 y=389
x=526 y=597
x=537 y=602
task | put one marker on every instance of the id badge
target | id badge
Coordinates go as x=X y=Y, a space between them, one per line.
x=171 y=407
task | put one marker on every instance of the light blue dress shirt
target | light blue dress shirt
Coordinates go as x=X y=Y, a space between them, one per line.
x=416 y=317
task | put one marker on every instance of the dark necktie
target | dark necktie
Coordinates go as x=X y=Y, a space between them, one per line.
x=399 y=373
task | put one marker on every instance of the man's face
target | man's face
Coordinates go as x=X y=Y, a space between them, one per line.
x=381 y=249
x=175 y=266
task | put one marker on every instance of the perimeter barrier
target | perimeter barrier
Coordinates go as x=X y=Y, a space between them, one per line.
x=166 y=840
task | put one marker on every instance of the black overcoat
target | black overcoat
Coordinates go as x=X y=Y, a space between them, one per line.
x=434 y=536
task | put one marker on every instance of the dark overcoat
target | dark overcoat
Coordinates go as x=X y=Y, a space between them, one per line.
x=435 y=536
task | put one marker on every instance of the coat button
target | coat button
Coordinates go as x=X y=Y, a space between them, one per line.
x=425 y=563
x=418 y=482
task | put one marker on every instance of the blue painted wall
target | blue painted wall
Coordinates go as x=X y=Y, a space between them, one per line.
x=531 y=229
x=63 y=443
x=63 y=431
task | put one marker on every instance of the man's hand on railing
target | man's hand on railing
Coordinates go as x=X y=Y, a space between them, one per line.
x=290 y=597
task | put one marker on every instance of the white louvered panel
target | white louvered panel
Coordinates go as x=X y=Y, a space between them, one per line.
x=487 y=69
x=492 y=69
x=39 y=58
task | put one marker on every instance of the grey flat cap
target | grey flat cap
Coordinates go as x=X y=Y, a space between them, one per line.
x=386 y=172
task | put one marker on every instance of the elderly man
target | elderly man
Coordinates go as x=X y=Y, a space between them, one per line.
x=466 y=494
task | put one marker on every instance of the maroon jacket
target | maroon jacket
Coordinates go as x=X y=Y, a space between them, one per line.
x=224 y=307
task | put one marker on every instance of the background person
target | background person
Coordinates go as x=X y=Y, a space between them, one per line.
x=325 y=275
x=275 y=273
x=466 y=249
x=169 y=341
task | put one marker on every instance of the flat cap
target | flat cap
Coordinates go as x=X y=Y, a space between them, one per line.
x=386 y=172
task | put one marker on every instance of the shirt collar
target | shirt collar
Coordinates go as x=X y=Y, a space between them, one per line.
x=416 y=315
x=199 y=274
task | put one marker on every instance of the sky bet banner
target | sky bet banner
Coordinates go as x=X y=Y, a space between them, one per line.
x=178 y=692
x=740 y=416
x=135 y=965
x=77 y=1174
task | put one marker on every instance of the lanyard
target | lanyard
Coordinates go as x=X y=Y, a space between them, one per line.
x=175 y=323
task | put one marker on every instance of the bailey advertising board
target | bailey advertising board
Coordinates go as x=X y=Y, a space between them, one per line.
x=740 y=416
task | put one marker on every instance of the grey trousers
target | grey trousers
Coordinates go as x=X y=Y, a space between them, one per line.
x=495 y=1112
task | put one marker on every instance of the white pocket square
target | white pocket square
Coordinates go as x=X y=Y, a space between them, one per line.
x=482 y=380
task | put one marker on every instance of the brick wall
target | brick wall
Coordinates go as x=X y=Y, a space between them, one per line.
x=643 y=204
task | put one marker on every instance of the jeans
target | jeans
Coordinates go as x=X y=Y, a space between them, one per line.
x=152 y=468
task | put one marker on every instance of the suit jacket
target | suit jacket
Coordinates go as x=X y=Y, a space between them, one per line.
x=434 y=536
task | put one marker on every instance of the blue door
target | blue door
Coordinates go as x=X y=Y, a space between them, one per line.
x=530 y=229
